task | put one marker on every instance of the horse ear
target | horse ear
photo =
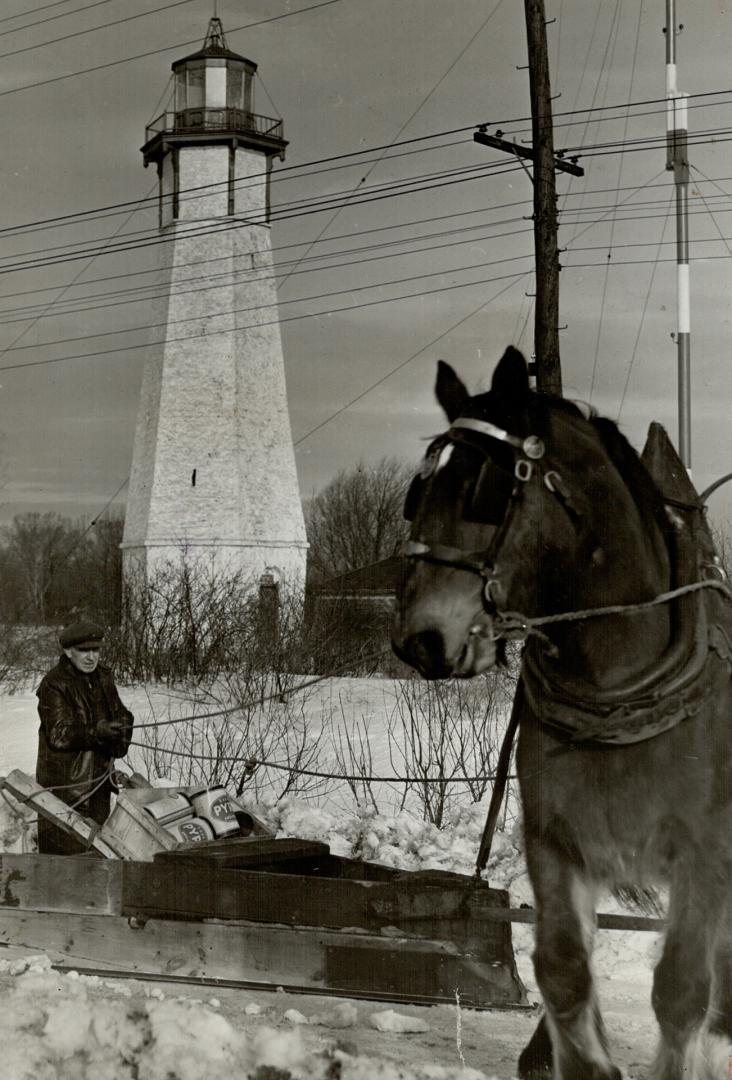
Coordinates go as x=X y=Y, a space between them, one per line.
x=511 y=377
x=450 y=391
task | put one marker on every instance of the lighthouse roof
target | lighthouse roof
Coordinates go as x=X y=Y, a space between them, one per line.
x=214 y=47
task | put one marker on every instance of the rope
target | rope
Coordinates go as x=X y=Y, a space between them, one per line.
x=514 y=621
x=66 y=787
x=279 y=695
x=67 y=814
x=88 y=794
x=357 y=778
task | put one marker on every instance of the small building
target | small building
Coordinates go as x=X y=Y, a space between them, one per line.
x=355 y=611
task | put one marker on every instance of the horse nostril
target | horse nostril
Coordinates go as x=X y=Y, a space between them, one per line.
x=426 y=651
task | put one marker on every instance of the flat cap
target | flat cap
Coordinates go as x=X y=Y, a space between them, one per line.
x=83 y=632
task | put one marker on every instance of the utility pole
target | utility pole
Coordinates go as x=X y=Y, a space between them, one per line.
x=546 y=248
x=677 y=159
x=546 y=162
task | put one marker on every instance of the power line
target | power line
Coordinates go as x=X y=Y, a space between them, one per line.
x=156 y=52
x=606 y=279
x=287 y=209
x=88 y=30
x=261 y=323
x=43 y=7
x=408 y=360
x=256 y=251
x=303 y=211
x=28 y=328
x=253 y=180
x=260 y=307
x=409 y=119
x=318 y=314
x=303 y=207
x=25 y=313
x=120 y=298
x=277 y=211
x=299 y=169
x=651 y=280
x=365 y=232
x=123 y=247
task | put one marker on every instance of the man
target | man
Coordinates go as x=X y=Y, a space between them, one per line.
x=84 y=726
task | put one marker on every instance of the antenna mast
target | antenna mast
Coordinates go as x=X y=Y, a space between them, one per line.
x=677 y=159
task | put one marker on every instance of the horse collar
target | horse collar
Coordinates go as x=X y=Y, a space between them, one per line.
x=672 y=689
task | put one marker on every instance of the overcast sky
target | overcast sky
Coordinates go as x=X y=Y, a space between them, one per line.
x=419 y=275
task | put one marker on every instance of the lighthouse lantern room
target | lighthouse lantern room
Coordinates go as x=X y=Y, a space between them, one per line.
x=214 y=111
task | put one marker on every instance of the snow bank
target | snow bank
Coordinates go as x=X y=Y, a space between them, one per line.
x=60 y=1027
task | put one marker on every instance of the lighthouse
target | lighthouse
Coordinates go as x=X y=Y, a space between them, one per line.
x=213 y=476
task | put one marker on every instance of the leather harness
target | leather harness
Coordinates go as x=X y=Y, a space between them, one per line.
x=673 y=688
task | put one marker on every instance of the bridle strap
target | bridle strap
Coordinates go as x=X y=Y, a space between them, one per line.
x=483 y=562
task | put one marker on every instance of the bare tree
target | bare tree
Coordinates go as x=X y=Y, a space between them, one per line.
x=37 y=544
x=356 y=520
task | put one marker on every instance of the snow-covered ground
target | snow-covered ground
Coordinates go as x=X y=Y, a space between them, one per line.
x=72 y=1027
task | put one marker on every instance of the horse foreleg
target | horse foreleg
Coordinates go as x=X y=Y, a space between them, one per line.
x=692 y=984
x=564 y=933
x=692 y=990
x=536 y=1061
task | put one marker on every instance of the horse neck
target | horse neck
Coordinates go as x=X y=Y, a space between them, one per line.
x=625 y=562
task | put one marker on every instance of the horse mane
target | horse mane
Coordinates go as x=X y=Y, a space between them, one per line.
x=641 y=484
x=638 y=480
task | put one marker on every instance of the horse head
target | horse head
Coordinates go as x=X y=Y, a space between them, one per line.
x=517 y=494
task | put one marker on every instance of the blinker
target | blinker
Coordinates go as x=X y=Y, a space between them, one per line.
x=483 y=505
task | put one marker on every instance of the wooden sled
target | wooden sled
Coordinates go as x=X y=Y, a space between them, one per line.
x=257 y=910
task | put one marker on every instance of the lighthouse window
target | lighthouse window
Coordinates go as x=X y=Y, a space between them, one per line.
x=196 y=99
x=180 y=91
x=234 y=88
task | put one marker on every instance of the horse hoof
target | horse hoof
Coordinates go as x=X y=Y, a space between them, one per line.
x=536 y=1060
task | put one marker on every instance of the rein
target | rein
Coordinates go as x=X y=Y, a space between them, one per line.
x=518 y=625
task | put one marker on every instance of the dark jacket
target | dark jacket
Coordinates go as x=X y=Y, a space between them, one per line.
x=72 y=752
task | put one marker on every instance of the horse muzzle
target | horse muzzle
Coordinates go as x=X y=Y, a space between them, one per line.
x=428 y=652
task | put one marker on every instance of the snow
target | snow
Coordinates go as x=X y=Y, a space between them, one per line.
x=397 y=1022
x=68 y=1026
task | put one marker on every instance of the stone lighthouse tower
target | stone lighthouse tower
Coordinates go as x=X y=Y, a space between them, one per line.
x=213 y=470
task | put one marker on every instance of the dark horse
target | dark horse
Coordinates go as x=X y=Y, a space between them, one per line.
x=529 y=516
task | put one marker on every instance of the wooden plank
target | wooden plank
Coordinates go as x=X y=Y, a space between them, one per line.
x=429 y=973
x=71 y=883
x=313 y=960
x=83 y=883
x=604 y=922
x=241 y=851
x=196 y=888
x=25 y=788
x=451 y=907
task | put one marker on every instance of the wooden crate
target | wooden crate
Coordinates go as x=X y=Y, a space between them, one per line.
x=131 y=831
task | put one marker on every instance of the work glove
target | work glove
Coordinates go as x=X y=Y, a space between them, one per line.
x=112 y=730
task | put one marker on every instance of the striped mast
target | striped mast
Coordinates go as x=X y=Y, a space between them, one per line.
x=677 y=159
